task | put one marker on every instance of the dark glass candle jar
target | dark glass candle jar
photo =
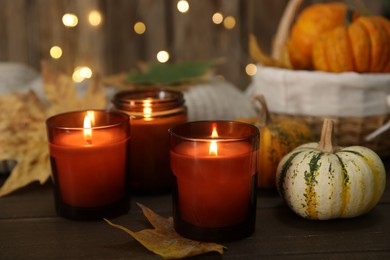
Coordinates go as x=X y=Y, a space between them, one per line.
x=152 y=112
x=215 y=168
x=88 y=155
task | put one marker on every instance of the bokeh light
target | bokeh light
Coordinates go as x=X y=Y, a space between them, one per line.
x=70 y=20
x=81 y=72
x=139 y=27
x=217 y=18
x=183 y=6
x=55 y=52
x=229 y=22
x=95 y=18
x=163 y=56
x=251 y=69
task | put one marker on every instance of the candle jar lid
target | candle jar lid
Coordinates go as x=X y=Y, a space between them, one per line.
x=162 y=102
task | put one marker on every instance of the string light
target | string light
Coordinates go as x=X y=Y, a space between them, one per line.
x=229 y=22
x=95 y=18
x=55 y=52
x=217 y=18
x=183 y=6
x=81 y=72
x=251 y=69
x=70 y=20
x=163 y=56
x=139 y=27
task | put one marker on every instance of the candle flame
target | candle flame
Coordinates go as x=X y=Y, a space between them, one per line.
x=147 y=110
x=214 y=134
x=87 y=129
x=213 y=150
x=91 y=116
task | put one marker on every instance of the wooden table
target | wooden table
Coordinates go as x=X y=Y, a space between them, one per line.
x=30 y=229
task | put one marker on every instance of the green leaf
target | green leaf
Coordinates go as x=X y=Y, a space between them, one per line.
x=170 y=74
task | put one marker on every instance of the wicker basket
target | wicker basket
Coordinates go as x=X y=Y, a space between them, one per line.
x=350 y=131
x=357 y=103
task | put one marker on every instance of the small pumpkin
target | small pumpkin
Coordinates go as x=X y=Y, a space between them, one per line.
x=362 y=45
x=277 y=138
x=323 y=181
x=313 y=21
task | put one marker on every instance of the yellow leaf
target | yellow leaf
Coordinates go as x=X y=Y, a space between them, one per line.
x=258 y=55
x=164 y=241
x=33 y=167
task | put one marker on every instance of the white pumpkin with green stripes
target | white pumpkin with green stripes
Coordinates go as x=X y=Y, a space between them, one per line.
x=324 y=181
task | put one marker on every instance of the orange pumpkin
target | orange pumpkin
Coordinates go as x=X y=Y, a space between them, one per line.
x=313 y=21
x=361 y=46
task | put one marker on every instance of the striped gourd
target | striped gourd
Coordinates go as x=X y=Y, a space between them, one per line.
x=277 y=138
x=323 y=181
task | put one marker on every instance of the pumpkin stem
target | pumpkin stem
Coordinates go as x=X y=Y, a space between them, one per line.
x=359 y=6
x=264 y=117
x=349 y=16
x=327 y=142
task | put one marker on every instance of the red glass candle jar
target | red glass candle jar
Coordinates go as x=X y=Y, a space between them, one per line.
x=88 y=153
x=152 y=112
x=215 y=168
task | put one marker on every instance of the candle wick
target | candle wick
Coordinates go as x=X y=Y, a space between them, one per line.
x=89 y=141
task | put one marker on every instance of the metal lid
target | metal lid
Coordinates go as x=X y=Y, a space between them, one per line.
x=158 y=99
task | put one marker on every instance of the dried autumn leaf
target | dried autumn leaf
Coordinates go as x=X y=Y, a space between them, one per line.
x=62 y=94
x=23 y=139
x=22 y=125
x=258 y=55
x=164 y=241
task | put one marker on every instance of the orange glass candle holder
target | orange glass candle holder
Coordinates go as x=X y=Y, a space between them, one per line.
x=215 y=168
x=88 y=154
x=152 y=112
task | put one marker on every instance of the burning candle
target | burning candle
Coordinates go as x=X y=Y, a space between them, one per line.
x=152 y=112
x=88 y=152
x=214 y=164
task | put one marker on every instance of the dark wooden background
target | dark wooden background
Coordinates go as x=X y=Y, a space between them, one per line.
x=29 y=28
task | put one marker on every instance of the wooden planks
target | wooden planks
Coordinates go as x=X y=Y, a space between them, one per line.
x=114 y=47
x=28 y=29
x=29 y=228
x=15 y=41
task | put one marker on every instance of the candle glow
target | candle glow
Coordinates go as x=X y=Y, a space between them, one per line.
x=91 y=116
x=147 y=112
x=87 y=129
x=213 y=150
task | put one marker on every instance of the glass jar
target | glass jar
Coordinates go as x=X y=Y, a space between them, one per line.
x=215 y=169
x=89 y=164
x=152 y=113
